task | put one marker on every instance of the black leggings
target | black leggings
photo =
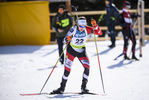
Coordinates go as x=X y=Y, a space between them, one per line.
x=129 y=34
x=70 y=55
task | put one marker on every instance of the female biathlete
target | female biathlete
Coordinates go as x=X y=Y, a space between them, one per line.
x=76 y=39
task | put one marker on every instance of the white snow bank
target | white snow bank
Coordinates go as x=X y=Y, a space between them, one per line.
x=24 y=69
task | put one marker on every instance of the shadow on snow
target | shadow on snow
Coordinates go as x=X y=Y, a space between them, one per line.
x=103 y=52
x=50 y=52
x=120 y=64
x=14 y=49
x=41 y=69
x=62 y=96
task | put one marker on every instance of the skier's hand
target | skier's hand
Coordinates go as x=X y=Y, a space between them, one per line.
x=69 y=38
x=93 y=22
x=139 y=15
x=60 y=30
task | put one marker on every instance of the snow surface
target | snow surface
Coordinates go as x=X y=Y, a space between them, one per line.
x=24 y=69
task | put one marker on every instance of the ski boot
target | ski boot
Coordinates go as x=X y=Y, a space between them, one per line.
x=59 y=90
x=126 y=58
x=134 y=57
x=83 y=87
x=111 y=46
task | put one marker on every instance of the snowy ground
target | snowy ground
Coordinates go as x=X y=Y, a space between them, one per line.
x=24 y=69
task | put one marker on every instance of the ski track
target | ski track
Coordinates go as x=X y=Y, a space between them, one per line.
x=25 y=68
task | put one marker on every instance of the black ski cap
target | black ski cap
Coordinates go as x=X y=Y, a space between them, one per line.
x=62 y=6
x=126 y=4
x=111 y=1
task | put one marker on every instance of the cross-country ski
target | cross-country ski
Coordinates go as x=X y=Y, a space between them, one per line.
x=66 y=93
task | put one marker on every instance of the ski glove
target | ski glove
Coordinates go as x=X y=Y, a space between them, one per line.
x=93 y=22
x=112 y=18
x=68 y=39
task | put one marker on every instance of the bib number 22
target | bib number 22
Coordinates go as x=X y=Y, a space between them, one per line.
x=79 y=41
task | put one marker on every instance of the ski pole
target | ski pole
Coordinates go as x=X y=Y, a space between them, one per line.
x=54 y=67
x=119 y=56
x=99 y=64
x=76 y=12
x=101 y=16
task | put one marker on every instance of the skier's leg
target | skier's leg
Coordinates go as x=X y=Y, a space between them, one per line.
x=133 y=39
x=85 y=62
x=126 y=38
x=68 y=63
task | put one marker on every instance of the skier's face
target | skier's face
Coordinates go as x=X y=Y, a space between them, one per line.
x=127 y=8
x=81 y=28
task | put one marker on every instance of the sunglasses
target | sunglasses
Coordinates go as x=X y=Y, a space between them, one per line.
x=82 y=26
x=60 y=10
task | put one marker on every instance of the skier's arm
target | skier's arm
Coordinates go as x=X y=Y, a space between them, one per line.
x=95 y=28
x=135 y=15
x=69 y=35
x=116 y=13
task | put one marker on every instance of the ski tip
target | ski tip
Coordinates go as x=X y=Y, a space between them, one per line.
x=30 y=94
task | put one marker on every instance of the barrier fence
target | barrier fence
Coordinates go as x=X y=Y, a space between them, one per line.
x=99 y=13
x=117 y=27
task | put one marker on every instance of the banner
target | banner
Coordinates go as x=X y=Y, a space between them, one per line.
x=24 y=23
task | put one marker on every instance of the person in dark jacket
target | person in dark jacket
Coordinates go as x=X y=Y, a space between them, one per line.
x=110 y=17
x=62 y=22
x=125 y=20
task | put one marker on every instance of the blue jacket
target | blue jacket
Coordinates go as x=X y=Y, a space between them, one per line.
x=112 y=13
